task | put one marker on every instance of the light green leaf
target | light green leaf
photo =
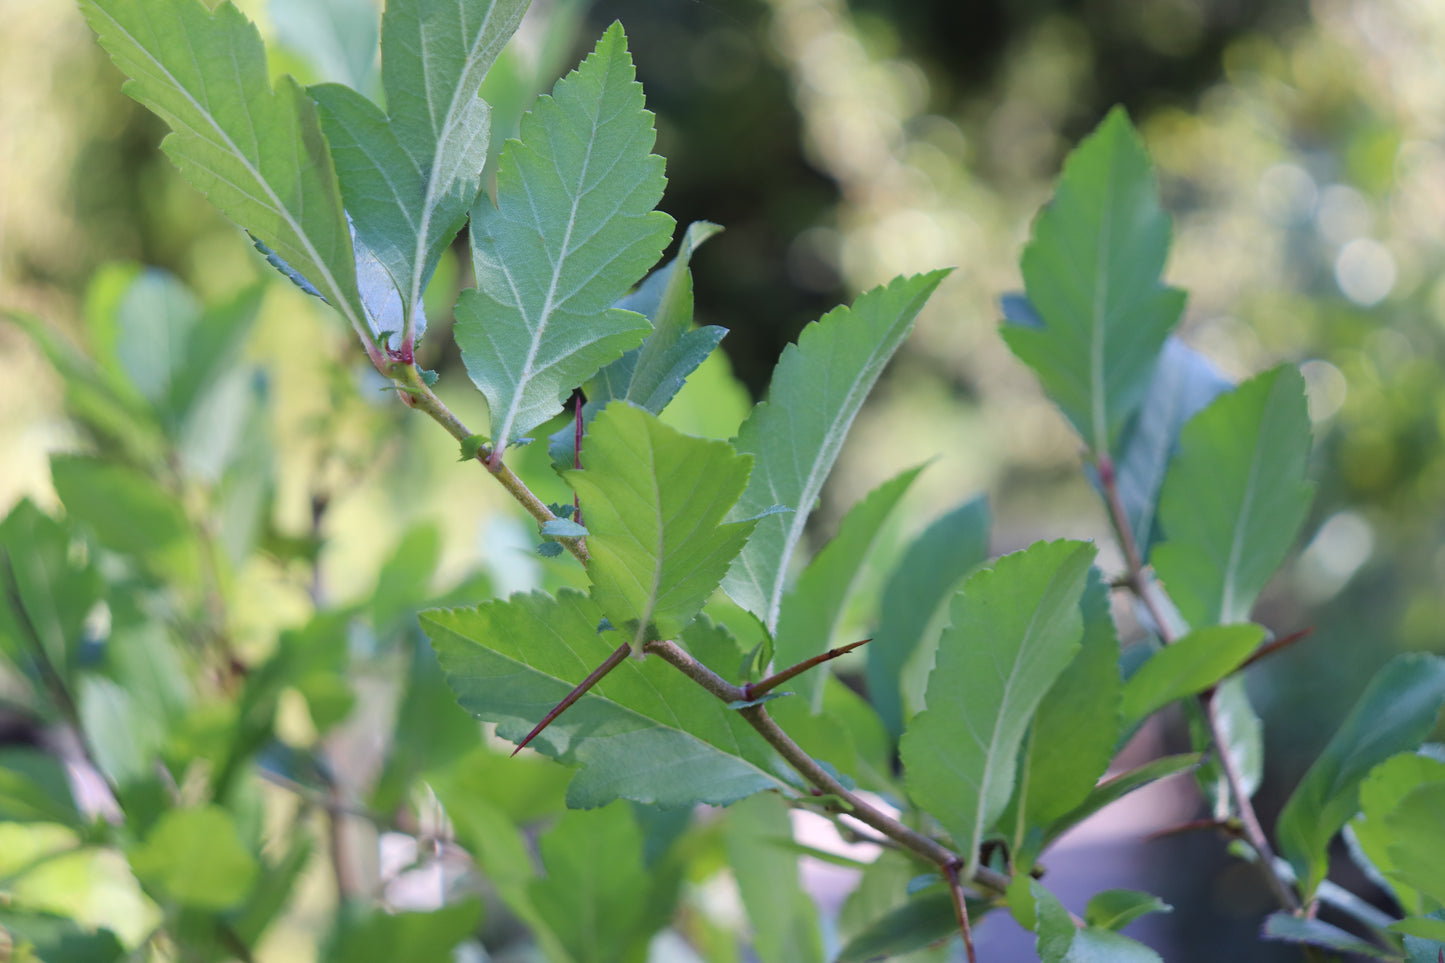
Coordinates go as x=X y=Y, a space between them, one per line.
x=915 y=599
x=1424 y=943
x=1421 y=927
x=414 y=937
x=1289 y=928
x=1417 y=832
x=194 y=857
x=1380 y=793
x=1015 y=627
x=1114 y=909
x=783 y=915
x=1189 y=666
x=573 y=229
x=1092 y=273
x=1235 y=497
x=409 y=176
x=34 y=789
x=1395 y=714
x=642 y=733
x=818 y=387
x=256 y=153
x=595 y=894
x=1061 y=942
x=814 y=608
x=1077 y=724
x=1116 y=788
x=654 y=499
x=46 y=591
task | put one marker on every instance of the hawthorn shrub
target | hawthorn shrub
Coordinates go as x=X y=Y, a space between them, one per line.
x=697 y=666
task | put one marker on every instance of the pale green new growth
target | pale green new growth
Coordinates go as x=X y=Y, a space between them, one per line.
x=653 y=500
x=258 y=154
x=1092 y=274
x=1234 y=497
x=410 y=177
x=642 y=733
x=572 y=230
x=818 y=387
x=1015 y=627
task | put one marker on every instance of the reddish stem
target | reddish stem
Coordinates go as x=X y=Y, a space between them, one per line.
x=612 y=662
x=960 y=908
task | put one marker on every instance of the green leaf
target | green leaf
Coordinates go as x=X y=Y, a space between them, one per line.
x=651 y=374
x=46 y=590
x=409 y=175
x=1015 y=628
x=783 y=915
x=815 y=607
x=1235 y=497
x=1420 y=927
x=573 y=229
x=128 y=512
x=1116 y=788
x=654 y=500
x=34 y=788
x=1289 y=928
x=1092 y=272
x=337 y=37
x=818 y=386
x=258 y=154
x=1243 y=733
x=1417 y=834
x=1061 y=942
x=1114 y=909
x=59 y=938
x=563 y=528
x=415 y=937
x=1395 y=714
x=595 y=894
x=915 y=598
x=1189 y=666
x=194 y=857
x=913 y=925
x=1184 y=382
x=1077 y=725
x=1381 y=792
x=643 y=733
x=1424 y=944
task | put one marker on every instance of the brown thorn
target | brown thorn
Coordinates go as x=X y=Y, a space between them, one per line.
x=1229 y=826
x=1270 y=648
x=754 y=689
x=611 y=663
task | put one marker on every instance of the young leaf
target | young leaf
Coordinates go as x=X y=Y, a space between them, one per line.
x=812 y=611
x=573 y=229
x=642 y=733
x=1417 y=834
x=1015 y=627
x=1235 y=497
x=915 y=596
x=784 y=916
x=409 y=176
x=415 y=937
x=1061 y=942
x=654 y=500
x=1092 y=274
x=1184 y=382
x=1112 y=790
x=195 y=858
x=1114 y=909
x=257 y=153
x=651 y=374
x=1077 y=725
x=818 y=387
x=1395 y=713
x=1381 y=792
x=1194 y=663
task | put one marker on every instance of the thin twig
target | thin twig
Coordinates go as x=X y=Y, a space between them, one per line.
x=1151 y=594
x=422 y=398
x=860 y=809
x=754 y=689
x=1270 y=648
x=960 y=909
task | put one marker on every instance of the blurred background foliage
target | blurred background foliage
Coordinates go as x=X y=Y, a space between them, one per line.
x=1301 y=150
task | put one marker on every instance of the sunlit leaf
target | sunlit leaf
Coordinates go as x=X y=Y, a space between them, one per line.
x=1015 y=628
x=572 y=230
x=1188 y=666
x=1235 y=497
x=1092 y=274
x=194 y=857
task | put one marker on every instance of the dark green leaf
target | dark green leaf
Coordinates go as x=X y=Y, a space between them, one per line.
x=34 y=788
x=642 y=733
x=919 y=922
x=1092 y=273
x=783 y=915
x=815 y=607
x=1061 y=942
x=1189 y=666
x=1116 y=788
x=1235 y=497
x=415 y=937
x=1114 y=909
x=1289 y=928
x=915 y=599
x=573 y=229
x=1015 y=628
x=59 y=938
x=46 y=590
x=818 y=387
x=1395 y=713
